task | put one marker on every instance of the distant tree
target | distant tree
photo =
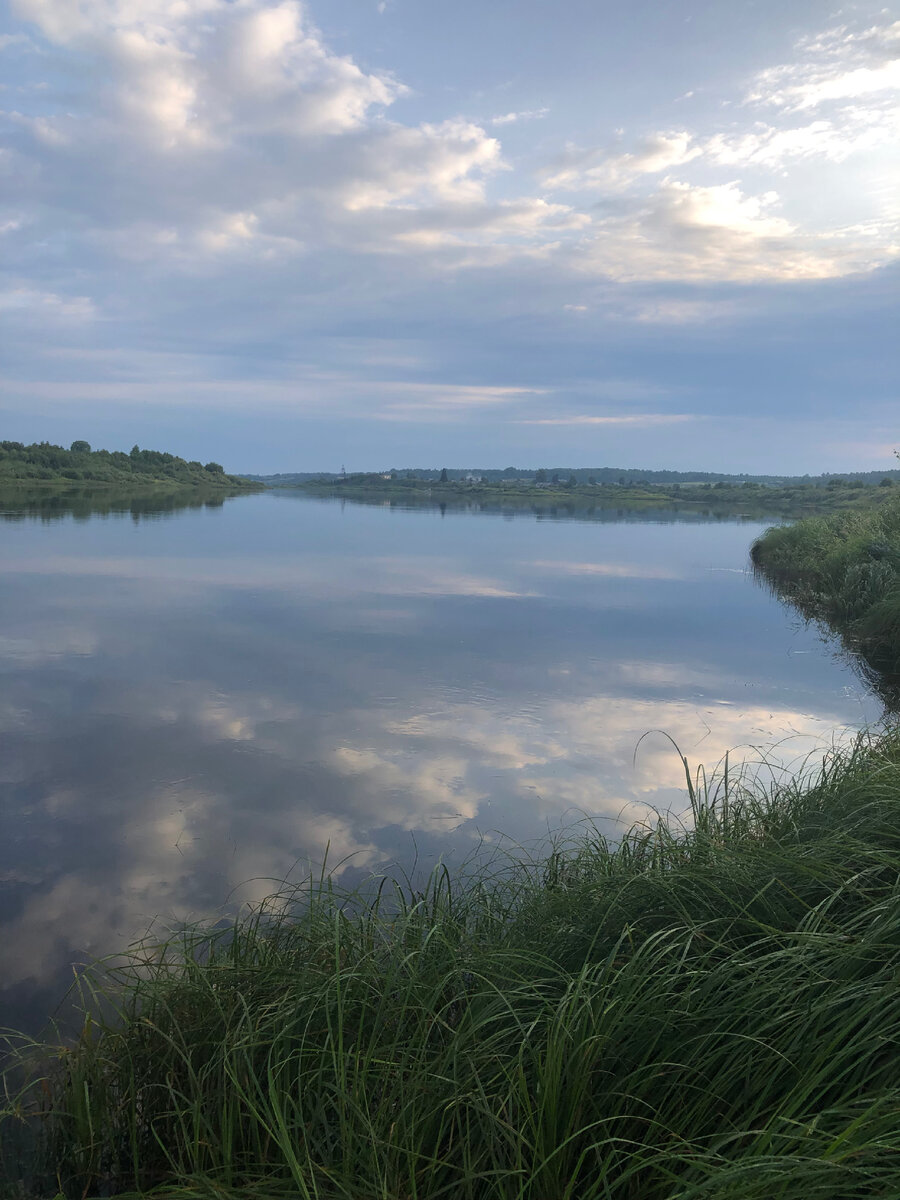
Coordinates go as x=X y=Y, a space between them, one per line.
x=443 y=478
x=571 y=481
x=540 y=476
x=80 y=447
x=214 y=468
x=591 y=480
x=554 y=478
x=622 y=481
x=886 y=482
x=135 y=450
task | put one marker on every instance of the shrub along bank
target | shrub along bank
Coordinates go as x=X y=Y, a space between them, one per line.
x=702 y=1011
x=46 y=463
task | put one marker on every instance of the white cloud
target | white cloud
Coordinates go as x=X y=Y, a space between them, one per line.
x=838 y=64
x=510 y=118
x=769 y=146
x=579 y=169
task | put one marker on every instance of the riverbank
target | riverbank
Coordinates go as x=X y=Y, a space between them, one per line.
x=43 y=465
x=701 y=1010
x=746 y=498
x=844 y=571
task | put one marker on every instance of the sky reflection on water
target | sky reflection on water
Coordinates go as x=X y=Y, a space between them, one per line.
x=196 y=706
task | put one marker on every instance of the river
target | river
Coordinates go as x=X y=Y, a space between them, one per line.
x=200 y=701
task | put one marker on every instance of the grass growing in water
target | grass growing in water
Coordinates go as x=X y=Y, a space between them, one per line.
x=844 y=570
x=710 y=1011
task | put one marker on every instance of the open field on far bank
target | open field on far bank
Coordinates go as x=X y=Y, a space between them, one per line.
x=700 y=1011
x=843 y=570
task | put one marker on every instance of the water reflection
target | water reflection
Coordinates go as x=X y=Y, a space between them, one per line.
x=207 y=704
x=579 y=508
x=79 y=504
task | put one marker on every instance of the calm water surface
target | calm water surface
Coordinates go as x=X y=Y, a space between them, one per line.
x=199 y=701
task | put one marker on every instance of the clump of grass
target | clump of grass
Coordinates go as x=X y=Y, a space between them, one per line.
x=699 y=1010
x=843 y=570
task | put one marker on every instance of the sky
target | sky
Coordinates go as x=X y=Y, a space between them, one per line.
x=367 y=233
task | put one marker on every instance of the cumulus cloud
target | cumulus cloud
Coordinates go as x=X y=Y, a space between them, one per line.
x=228 y=128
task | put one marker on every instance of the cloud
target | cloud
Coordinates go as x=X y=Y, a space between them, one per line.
x=47 y=304
x=510 y=118
x=233 y=129
x=837 y=101
x=439 y=403
x=594 y=168
x=690 y=232
x=774 y=148
x=840 y=63
x=637 y=419
x=212 y=203
x=666 y=311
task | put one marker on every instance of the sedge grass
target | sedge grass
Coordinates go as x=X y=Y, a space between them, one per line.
x=701 y=1010
x=843 y=570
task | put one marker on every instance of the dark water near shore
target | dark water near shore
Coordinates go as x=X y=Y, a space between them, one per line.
x=197 y=701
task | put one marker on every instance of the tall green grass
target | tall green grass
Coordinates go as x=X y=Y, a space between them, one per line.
x=701 y=1010
x=844 y=570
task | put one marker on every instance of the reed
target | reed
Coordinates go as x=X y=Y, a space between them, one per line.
x=844 y=571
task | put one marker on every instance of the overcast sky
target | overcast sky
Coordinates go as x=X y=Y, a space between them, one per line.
x=661 y=233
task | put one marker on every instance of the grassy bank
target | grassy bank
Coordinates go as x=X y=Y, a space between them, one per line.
x=701 y=1011
x=843 y=570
